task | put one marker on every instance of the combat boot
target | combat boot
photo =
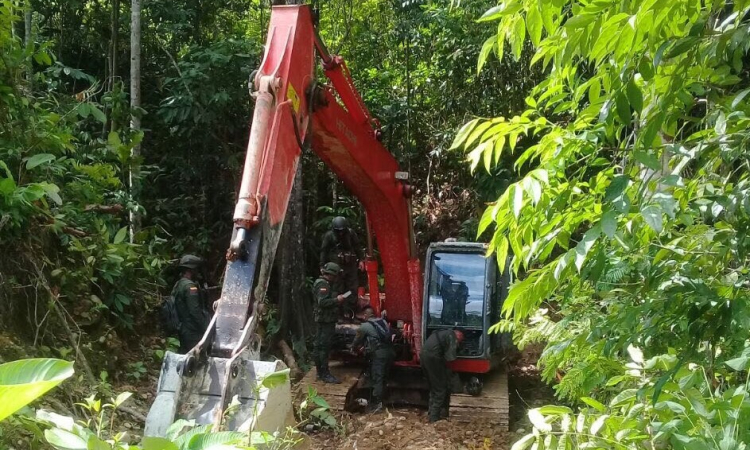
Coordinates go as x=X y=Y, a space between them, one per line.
x=329 y=378
x=324 y=375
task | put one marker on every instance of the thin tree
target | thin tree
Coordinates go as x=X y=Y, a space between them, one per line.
x=135 y=103
x=112 y=60
x=29 y=41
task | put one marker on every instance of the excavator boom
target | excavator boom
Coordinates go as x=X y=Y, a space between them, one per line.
x=293 y=113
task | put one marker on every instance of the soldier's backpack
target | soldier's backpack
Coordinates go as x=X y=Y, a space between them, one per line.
x=170 y=321
x=383 y=331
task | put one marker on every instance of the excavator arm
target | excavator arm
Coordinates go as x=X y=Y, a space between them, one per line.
x=293 y=113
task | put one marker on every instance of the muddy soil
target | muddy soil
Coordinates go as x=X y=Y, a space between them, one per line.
x=407 y=428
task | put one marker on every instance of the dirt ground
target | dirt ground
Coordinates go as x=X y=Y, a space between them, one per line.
x=407 y=428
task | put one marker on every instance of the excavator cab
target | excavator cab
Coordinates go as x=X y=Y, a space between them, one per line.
x=464 y=290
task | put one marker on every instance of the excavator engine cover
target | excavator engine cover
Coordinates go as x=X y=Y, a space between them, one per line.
x=198 y=396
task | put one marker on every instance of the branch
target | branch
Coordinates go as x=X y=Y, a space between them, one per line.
x=55 y=296
x=177 y=68
x=74 y=232
x=3 y=220
x=60 y=406
x=106 y=209
x=132 y=413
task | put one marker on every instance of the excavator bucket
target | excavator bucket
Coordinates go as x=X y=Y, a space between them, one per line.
x=202 y=392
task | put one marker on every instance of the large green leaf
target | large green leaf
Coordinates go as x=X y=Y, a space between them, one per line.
x=65 y=440
x=156 y=443
x=524 y=442
x=274 y=379
x=208 y=440
x=23 y=381
x=534 y=24
x=652 y=215
x=635 y=97
x=739 y=364
x=121 y=235
x=583 y=247
x=463 y=133
x=616 y=187
x=38 y=160
x=487 y=47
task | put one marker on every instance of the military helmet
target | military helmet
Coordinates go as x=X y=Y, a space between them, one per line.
x=339 y=223
x=331 y=269
x=190 y=262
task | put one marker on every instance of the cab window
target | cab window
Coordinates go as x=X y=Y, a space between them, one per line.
x=456 y=290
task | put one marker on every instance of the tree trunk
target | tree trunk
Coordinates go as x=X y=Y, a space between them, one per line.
x=28 y=41
x=295 y=310
x=334 y=192
x=115 y=26
x=135 y=102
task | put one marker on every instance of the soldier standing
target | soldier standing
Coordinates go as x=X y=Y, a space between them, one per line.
x=340 y=245
x=438 y=350
x=194 y=318
x=327 y=300
x=376 y=337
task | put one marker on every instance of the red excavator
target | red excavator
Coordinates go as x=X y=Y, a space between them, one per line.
x=295 y=112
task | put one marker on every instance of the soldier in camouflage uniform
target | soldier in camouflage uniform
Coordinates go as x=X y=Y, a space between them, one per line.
x=189 y=303
x=376 y=337
x=439 y=349
x=327 y=301
x=340 y=245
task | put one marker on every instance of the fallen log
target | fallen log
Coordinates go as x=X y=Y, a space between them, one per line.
x=294 y=372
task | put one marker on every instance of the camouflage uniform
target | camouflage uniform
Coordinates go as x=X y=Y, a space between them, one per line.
x=193 y=316
x=346 y=252
x=326 y=314
x=439 y=349
x=375 y=335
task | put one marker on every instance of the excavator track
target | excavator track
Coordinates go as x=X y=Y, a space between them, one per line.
x=334 y=394
x=492 y=405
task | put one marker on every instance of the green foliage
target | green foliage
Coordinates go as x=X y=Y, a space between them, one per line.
x=98 y=432
x=63 y=191
x=660 y=404
x=203 y=103
x=316 y=410
x=23 y=381
x=137 y=370
x=630 y=221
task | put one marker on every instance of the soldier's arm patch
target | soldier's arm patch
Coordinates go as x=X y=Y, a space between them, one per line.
x=193 y=289
x=323 y=290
